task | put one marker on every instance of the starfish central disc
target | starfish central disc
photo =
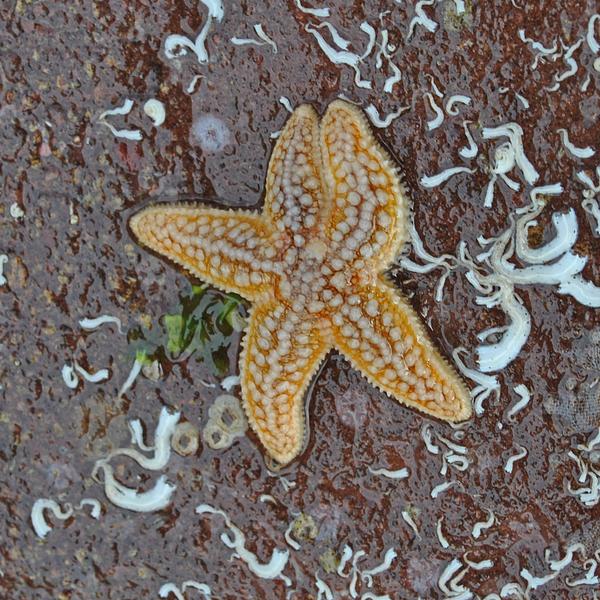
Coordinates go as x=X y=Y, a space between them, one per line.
x=311 y=263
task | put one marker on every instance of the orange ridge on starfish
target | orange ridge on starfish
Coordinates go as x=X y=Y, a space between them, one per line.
x=334 y=219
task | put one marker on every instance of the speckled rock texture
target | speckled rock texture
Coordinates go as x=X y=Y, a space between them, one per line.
x=68 y=188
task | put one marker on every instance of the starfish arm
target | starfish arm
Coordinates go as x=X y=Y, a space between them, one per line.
x=294 y=189
x=369 y=221
x=231 y=250
x=281 y=352
x=383 y=338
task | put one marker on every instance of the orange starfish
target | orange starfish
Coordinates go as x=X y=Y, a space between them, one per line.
x=334 y=219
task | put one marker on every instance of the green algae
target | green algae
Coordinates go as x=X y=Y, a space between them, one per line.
x=200 y=326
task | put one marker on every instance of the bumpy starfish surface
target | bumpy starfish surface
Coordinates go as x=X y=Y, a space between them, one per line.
x=335 y=216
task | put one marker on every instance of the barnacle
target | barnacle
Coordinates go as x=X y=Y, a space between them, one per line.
x=226 y=421
x=185 y=440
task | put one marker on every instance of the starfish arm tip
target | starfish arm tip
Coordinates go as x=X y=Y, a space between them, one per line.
x=274 y=390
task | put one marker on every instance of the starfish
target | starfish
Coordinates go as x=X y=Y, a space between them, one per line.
x=312 y=264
